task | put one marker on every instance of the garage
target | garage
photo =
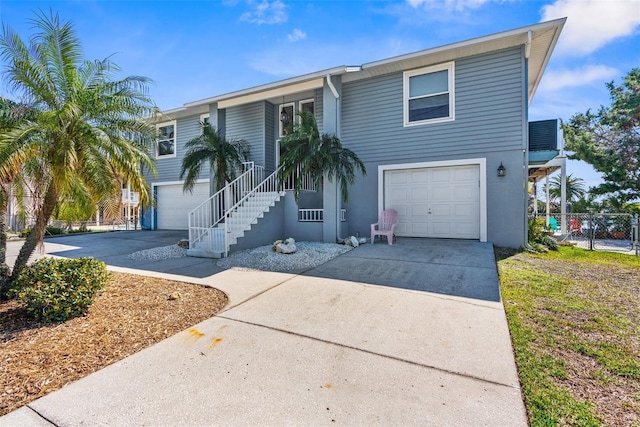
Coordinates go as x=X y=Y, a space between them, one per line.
x=173 y=205
x=438 y=202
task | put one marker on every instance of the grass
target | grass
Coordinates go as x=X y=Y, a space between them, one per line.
x=574 y=321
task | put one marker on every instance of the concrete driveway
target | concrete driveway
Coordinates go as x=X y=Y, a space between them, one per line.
x=409 y=334
x=114 y=248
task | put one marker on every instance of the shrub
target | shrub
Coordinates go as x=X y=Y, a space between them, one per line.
x=55 y=290
x=550 y=243
x=537 y=229
x=538 y=235
x=52 y=231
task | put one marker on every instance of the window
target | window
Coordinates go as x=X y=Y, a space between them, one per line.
x=285 y=118
x=307 y=105
x=166 y=140
x=429 y=95
x=204 y=119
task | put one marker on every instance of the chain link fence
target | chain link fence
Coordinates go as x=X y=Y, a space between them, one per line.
x=596 y=231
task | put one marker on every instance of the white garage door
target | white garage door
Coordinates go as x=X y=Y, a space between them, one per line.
x=435 y=202
x=173 y=205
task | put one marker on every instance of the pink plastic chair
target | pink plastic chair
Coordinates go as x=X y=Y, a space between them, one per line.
x=385 y=225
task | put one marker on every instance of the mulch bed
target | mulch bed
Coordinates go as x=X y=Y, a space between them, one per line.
x=132 y=313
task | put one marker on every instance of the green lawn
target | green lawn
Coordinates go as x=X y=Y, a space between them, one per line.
x=574 y=318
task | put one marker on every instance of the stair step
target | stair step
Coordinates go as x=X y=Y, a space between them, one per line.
x=239 y=221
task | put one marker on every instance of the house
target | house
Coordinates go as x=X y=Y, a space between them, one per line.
x=443 y=132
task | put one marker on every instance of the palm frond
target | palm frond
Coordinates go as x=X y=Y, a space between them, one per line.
x=224 y=156
x=317 y=155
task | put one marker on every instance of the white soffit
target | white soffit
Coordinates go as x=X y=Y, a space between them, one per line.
x=271 y=93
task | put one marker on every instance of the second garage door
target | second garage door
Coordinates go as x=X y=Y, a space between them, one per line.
x=435 y=202
x=173 y=205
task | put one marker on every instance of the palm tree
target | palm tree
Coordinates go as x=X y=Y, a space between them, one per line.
x=87 y=135
x=575 y=188
x=225 y=157
x=306 y=152
x=11 y=114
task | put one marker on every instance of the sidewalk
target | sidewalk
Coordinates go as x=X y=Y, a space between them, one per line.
x=307 y=349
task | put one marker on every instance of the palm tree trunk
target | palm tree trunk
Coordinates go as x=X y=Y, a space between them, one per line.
x=5 y=271
x=37 y=232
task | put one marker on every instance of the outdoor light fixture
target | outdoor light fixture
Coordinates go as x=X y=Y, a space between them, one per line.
x=284 y=117
x=501 y=170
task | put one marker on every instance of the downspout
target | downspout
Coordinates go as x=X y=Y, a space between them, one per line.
x=332 y=87
x=525 y=151
x=336 y=95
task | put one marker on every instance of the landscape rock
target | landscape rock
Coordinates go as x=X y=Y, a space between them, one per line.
x=184 y=243
x=354 y=241
x=286 y=247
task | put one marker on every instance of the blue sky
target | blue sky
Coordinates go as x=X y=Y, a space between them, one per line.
x=197 y=49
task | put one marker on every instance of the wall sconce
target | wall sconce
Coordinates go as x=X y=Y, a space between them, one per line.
x=284 y=118
x=502 y=171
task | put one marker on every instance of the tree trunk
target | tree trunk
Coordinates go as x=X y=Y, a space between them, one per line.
x=5 y=270
x=37 y=232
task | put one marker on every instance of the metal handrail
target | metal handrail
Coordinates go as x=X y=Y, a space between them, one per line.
x=226 y=206
x=269 y=185
x=210 y=212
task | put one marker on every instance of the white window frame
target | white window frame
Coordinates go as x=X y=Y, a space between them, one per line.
x=450 y=68
x=175 y=140
x=280 y=107
x=205 y=116
x=307 y=101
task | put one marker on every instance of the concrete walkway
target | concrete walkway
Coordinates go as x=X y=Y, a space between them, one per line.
x=409 y=334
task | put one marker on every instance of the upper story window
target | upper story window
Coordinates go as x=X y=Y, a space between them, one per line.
x=307 y=105
x=285 y=118
x=204 y=119
x=166 y=146
x=429 y=95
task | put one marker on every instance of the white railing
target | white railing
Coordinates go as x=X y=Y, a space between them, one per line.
x=238 y=219
x=131 y=198
x=213 y=210
x=306 y=183
x=317 y=215
x=215 y=224
x=310 y=215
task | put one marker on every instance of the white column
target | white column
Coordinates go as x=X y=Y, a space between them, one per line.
x=563 y=196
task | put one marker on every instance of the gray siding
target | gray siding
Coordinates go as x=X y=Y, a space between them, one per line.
x=488 y=113
x=317 y=105
x=490 y=122
x=270 y=136
x=248 y=122
x=168 y=169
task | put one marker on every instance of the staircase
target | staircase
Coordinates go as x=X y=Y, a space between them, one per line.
x=218 y=223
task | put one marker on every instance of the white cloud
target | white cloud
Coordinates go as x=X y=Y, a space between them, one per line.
x=266 y=13
x=592 y=24
x=586 y=75
x=296 y=35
